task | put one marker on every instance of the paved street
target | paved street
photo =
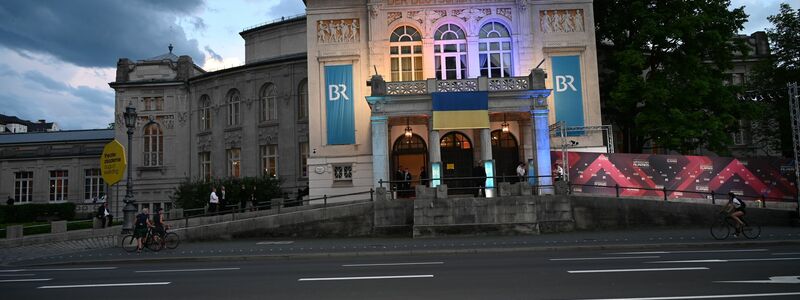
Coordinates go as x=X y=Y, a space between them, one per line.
x=649 y=273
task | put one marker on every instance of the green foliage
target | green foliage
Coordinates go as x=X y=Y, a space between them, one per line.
x=662 y=64
x=195 y=194
x=32 y=212
x=771 y=77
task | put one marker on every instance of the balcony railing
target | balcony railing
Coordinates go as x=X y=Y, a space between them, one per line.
x=400 y=88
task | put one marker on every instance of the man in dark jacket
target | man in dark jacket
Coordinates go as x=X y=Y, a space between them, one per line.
x=104 y=214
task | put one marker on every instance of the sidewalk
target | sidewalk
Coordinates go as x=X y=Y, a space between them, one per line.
x=244 y=249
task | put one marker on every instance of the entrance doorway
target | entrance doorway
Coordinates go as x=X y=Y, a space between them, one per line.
x=411 y=153
x=456 y=149
x=505 y=151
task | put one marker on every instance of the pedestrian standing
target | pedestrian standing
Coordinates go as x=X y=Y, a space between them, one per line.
x=223 y=202
x=521 y=172
x=253 y=199
x=10 y=201
x=213 y=201
x=243 y=198
x=423 y=176
x=105 y=215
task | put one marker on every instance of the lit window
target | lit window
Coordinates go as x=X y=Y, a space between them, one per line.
x=233 y=107
x=495 y=50
x=23 y=187
x=268 y=103
x=205 y=113
x=59 y=185
x=93 y=184
x=234 y=162
x=450 y=52
x=269 y=160
x=153 y=146
x=405 y=52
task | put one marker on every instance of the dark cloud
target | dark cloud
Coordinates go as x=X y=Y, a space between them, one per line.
x=95 y=33
x=198 y=23
x=6 y=71
x=213 y=54
x=45 y=81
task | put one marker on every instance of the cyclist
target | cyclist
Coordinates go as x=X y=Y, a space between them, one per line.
x=736 y=210
x=141 y=225
x=159 y=227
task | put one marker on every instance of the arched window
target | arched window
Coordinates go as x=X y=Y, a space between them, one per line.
x=405 y=50
x=153 y=145
x=495 y=50
x=234 y=101
x=455 y=140
x=302 y=100
x=268 y=103
x=204 y=117
x=450 y=52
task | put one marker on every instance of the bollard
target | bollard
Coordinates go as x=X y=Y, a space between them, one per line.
x=665 y=192
x=713 y=199
x=616 y=187
x=371 y=192
x=324 y=200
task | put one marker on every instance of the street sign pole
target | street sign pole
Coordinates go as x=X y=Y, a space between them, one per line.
x=794 y=110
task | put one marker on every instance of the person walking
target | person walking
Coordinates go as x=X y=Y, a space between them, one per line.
x=558 y=173
x=140 y=227
x=213 y=201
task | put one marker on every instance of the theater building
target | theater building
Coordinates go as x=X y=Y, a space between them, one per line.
x=459 y=91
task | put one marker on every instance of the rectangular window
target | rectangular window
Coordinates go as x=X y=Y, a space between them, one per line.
x=59 y=185
x=269 y=160
x=153 y=103
x=93 y=185
x=205 y=118
x=23 y=187
x=304 y=160
x=234 y=162
x=738 y=135
x=343 y=173
x=205 y=165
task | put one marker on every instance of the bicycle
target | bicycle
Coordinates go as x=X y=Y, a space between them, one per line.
x=170 y=240
x=151 y=241
x=721 y=228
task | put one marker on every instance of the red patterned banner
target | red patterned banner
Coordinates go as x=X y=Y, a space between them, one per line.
x=682 y=176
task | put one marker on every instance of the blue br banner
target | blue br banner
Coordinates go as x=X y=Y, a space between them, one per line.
x=339 y=105
x=568 y=90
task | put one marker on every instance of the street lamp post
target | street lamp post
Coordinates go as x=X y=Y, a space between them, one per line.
x=130 y=209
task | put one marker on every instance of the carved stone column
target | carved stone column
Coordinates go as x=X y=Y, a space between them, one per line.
x=380 y=149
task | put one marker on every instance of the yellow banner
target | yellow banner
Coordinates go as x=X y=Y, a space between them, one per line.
x=460 y=119
x=113 y=162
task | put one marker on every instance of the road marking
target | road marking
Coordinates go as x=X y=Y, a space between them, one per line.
x=59 y=269
x=721 y=260
x=787 y=253
x=188 y=270
x=365 y=278
x=25 y=280
x=16 y=275
x=774 y=279
x=697 y=251
x=395 y=264
x=11 y=271
x=275 y=243
x=637 y=270
x=102 y=285
x=603 y=258
x=705 y=296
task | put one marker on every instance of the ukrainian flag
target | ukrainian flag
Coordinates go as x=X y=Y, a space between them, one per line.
x=460 y=110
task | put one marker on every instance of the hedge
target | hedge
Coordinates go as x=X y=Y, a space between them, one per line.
x=31 y=212
x=195 y=194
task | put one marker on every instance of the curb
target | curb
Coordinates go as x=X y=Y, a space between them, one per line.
x=414 y=252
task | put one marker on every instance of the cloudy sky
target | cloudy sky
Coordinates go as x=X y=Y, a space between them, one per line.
x=57 y=57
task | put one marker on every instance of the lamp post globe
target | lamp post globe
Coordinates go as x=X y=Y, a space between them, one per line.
x=129 y=210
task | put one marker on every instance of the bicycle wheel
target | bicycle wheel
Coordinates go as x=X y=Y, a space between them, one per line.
x=171 y=240
x=129 y=243
x=720 y=230
x=751 y=231
x=154 y=243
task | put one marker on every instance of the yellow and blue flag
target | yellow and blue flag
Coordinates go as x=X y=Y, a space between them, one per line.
x=460 y=110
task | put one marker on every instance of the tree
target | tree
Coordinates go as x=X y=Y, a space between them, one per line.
x=769 y=79
x=662 y=65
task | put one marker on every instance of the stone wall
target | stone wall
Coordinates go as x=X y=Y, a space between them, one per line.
x=480 y=216
x=595 y=213
x=392 y=216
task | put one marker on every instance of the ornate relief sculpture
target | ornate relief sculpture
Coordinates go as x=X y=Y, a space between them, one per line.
x=393 y=16
x=472 y=16
x=505 y=12
x=426 y=18
x=561 y=21
x=338 y=31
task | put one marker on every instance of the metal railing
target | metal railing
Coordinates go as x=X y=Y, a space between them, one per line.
x=665 y=193
x=276 y=20
x=399 y=191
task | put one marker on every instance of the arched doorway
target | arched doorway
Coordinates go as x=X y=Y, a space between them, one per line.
x=411 y=153
x=505 y=151
x=456 y=150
